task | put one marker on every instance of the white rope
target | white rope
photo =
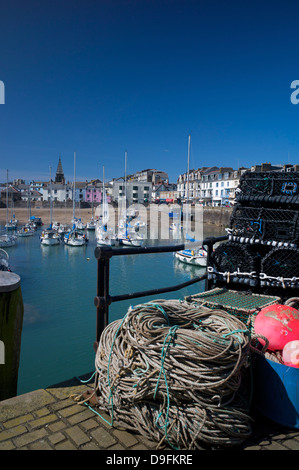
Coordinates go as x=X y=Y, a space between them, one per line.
x=173 y=372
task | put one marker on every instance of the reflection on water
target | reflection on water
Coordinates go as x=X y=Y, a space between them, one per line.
x=31 y=314
x=191 y=270
x=58 y=287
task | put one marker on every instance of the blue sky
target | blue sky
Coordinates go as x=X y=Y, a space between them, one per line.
x=104 y=77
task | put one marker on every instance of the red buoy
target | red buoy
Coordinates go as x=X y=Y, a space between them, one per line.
x=279 y=324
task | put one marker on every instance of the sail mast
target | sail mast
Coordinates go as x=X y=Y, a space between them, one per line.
x=187 y=191
x=74 y=189
x=6 y=200
x=51 y=198
x=126 y=188
x=104 y=202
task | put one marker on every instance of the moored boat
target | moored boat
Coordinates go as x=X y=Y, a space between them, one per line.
x=50 y=237
x=75 y=238
x=7 y=240
x=26 y=231
x=196 y=257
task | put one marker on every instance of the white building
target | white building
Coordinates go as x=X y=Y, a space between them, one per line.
x=211 y=186
x=60 y=192
x=195 y=182
x=137 y=192
x=219 y=185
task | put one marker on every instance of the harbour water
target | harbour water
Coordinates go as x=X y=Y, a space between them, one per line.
x=59 y=285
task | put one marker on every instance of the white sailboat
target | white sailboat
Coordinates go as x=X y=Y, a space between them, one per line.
x=91 y=225
x=196 y=256
x=61 y=228
x=104 y=234
x=127 y=234
x=79 y=224
x=13 y=222
x=7 y=240
x=26 y=231
x=74 y=237
x=49 y=236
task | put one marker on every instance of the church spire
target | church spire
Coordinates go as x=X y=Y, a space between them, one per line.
x=59 y=178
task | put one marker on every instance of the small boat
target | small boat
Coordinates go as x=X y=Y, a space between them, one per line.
x=197 y=257
x=91 y=225
x=130 y=239
x=4 y=260
x=32 y=225
x=75 y=238
x=127 y=234
x=61 y=228
x=49 y=236
x=26 y=231
x=36 y=220
x=7 y=240
x=79 y=224
x=104 y=236
x=11 y=225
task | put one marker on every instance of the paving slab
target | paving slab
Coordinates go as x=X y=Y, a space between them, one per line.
x=50 y=419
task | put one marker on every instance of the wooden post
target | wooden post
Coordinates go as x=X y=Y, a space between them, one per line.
x=11 y=323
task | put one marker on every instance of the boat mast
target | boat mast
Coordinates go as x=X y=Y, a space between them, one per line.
x=126 y=189
x=104 y=208
x=51 y=198
x=6 y=200
x=187 y=191
x=74 y=190
x=103 y=181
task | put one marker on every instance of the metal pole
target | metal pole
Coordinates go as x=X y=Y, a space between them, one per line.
x=102 y=301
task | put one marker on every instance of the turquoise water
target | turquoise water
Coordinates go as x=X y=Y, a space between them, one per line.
x=59 y=285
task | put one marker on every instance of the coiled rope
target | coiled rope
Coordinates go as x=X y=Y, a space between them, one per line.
x=172 y=371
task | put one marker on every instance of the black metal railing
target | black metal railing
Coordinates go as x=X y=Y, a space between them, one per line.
x=103 y=298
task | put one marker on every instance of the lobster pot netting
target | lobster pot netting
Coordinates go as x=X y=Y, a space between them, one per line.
x=264 y=225
x=280 y=268
x=242 y=304
x=173 y=372
x=237 y=263
x=273 y=184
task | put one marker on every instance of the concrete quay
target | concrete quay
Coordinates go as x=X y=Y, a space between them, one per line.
x=50 y=419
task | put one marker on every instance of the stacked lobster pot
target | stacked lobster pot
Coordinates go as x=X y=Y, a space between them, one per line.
x=263 y=247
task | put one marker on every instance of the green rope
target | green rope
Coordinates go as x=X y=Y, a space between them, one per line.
x=236 y=331
x=166 y=344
